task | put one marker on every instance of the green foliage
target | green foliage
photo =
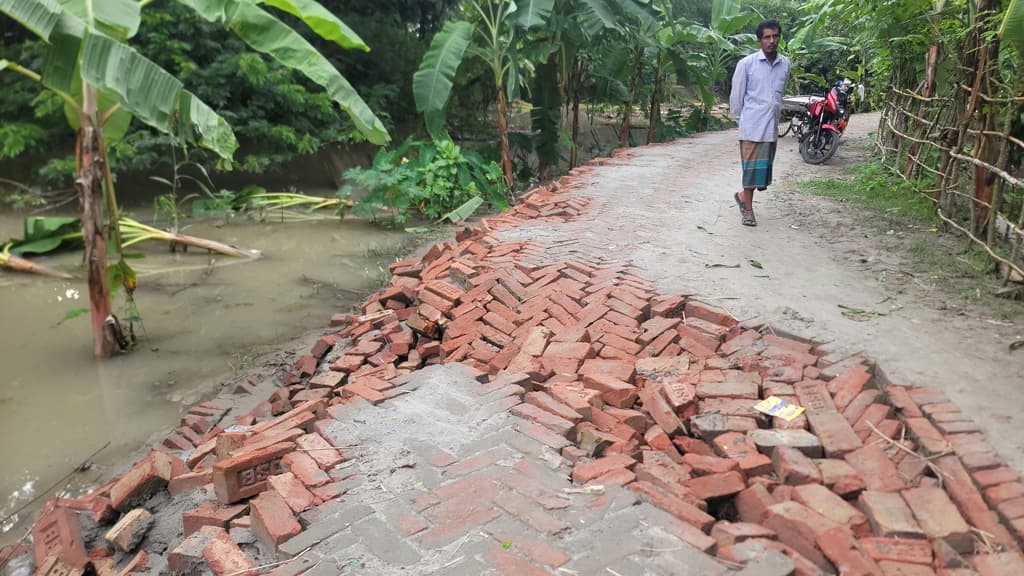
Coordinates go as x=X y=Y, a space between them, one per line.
x=19 y=137
x=875 y=186
x=428 y=178
x=47 y=234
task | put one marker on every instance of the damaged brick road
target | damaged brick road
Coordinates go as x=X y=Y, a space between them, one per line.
x=522 y=406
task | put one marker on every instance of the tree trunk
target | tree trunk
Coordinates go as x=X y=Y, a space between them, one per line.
x=577 y=82
x=656 y=99
x=627 y=111
x=90 y=195
x=931 y=64
x=506 y=153
x=984 y=149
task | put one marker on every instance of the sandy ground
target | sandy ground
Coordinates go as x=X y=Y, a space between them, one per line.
x=669 y=209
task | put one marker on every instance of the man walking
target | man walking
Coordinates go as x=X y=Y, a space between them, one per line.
x=755 y=102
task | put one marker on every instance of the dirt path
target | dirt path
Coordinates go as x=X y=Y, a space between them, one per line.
x=669 y=210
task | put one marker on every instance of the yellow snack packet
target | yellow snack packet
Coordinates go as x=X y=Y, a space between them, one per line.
x=775 y=406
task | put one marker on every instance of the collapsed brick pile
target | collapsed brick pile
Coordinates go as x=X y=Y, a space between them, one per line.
x=655 y=393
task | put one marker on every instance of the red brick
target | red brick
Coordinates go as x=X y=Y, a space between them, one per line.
x=737 y=389
x=996 y=495
x=225 y=558
x=1005 y=564
x=147 y=477
x=57 y=532
x=927 y=437
x=872 y=419
x=889 y=515
x=794 y=468
x=877 y=470
x=555 y=423
x=189 y=482
x=898 y=550
x=509 y=563
x=549 y=404
x=813 y=396
x=856 y=408
x=654 y=403
x=799 y=527
x=674 y=506
x=900 y=399
x=319 y=450
x=305 y=469
x=293 y=492
x=716 y=485
x=840 y=477
x=617 y=369
x=730 y=533
x=617 y=477
x=245 y=475
x=1011 y=509
x=587 y=471
x=828 y=504
x=705 y=465
x=841 y=548
x=710 y=313
x=614 y=391
x=209 y=513
x=272 y=520
x=752 y=503
x=847 y=385
x=834 y=432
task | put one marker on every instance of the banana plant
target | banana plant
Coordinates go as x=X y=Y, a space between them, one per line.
x=104 y=83
x=490 y=32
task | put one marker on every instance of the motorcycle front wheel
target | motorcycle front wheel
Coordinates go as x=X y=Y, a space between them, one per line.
x=818 y=148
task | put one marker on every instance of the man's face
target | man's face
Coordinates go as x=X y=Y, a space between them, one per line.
x=769 y=41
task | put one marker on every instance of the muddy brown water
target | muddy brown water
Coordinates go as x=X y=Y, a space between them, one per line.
x=202 y=326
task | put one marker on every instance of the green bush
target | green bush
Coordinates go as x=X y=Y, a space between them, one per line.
x=426 y=178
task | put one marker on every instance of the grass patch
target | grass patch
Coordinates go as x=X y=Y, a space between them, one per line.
x=873 y=186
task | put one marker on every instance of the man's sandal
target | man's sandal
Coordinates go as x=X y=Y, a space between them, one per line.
x=747 y=216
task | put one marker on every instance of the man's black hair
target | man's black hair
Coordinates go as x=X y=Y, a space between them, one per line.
x=768 y=24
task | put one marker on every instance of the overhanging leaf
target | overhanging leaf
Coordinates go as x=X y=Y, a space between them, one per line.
x=321 y=21
x=39 y=16
x=117 y=18
x=432 y=83
x=265 y=33
x=1012 y=27
x=530 y=13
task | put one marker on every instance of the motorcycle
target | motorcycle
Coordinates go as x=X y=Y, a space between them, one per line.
x=825 y=123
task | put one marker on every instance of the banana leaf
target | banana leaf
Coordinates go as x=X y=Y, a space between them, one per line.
x=265 y=33
x=39 y=16
x=1012 y=28
x=46 y=234
x=465 y=211
x=432 y=83
x=532 y=13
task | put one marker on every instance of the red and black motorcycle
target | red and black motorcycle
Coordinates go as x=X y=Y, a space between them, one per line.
x=825 y=123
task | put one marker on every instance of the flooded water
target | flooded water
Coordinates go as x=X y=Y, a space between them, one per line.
x=202 y=325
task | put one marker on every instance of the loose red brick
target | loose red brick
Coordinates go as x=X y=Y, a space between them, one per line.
x=813 y=396
x=549 y=420
x=729 y=533
x=794 y=468
x=877 y=470
x=58 y=533
x=614 y=391
x=840 y=477
x=293 y=492
x=930 y=439
x=889 y=515
x=209 y=513
x=716 y=485
x=898 y=550
x=847 y=385
x=841 y=548
x=587 y=471
x=147 y=477
x=674 y=506
x=1005 y=564
x=901 y=400
x=272 y=520
x=828 y=504
x=620 y=370
x=654 y=403
x=798 y=526
x=304 y=468
x=996 y=495
x=834 y=432
x=710 y=313
x=752 y=503
x=319 y=450
x=856 y=408
x=224 y=557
